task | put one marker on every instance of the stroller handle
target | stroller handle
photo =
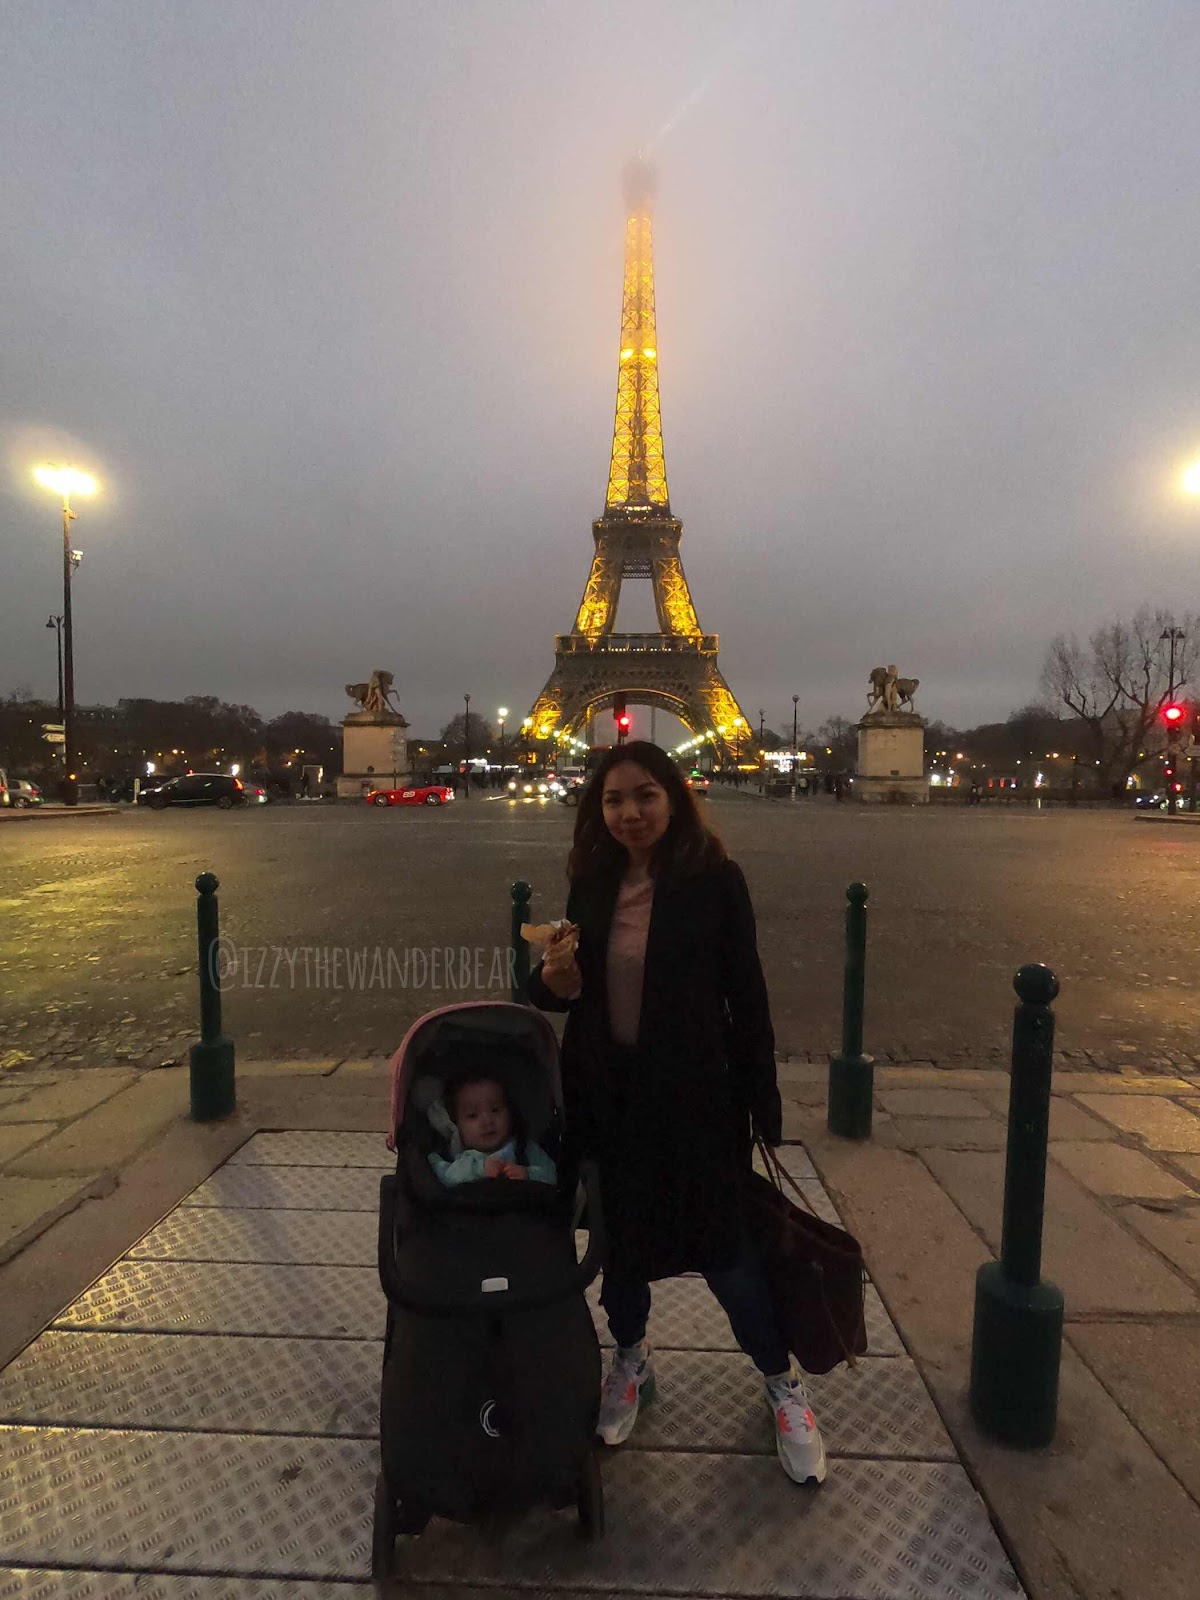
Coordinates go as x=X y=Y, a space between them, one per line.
x=391 y=1201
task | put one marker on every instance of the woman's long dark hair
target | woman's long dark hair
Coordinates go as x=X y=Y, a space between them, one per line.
x=688 y=846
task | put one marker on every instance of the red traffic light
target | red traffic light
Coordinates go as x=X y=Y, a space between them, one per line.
x=624 y=722
x=1173 y=715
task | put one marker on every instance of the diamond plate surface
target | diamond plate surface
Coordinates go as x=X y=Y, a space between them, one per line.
x=793 y=1158
x=684 y=1315
x=713 y=1402
x=188 y=1381
x=303 y=1149
x=219 y=1297
x=735 y=1525
x=203 y=1233
x=186 y=1502
x=318 y=1188
x=32 y=1583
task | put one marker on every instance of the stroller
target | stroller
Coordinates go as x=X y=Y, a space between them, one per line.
x=491 y=1365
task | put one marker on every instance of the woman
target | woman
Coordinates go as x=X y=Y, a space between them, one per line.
x=668 y=1054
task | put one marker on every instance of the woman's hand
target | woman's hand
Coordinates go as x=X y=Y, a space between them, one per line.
x=560 y=970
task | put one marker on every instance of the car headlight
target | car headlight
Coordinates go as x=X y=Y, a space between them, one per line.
x=512 y=787
x=541 y=788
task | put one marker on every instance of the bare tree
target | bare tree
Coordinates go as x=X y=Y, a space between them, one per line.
x=840 y=738
x=478 y=740
x=1118 y=683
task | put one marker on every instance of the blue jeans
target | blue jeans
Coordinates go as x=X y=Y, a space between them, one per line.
x=742 y=1293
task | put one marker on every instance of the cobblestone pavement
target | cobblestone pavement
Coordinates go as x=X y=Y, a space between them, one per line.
x=97 y=936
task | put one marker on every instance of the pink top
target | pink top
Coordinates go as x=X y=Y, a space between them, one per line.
x=627 y=959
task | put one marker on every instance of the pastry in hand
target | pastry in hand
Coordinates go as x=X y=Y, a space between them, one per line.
x=557 y=941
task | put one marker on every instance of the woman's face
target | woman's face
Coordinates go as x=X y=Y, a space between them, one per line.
x=636 y=807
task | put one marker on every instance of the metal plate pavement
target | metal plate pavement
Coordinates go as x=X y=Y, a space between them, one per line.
x=201 y=1422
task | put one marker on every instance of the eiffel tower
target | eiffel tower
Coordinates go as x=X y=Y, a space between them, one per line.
x=676 y=668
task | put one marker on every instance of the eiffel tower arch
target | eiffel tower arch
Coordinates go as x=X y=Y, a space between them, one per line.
x=637 y=539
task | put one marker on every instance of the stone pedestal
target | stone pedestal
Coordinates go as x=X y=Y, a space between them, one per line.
x=891 y=759
x=374 y=753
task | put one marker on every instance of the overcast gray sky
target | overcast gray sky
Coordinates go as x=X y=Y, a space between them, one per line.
x=328 y=296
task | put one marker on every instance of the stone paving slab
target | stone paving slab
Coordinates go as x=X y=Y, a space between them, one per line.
x=1161 y=1123
x=1067 y=1119
x=17 y=1137
x=1091 y=1258
x=29 y=1205
x=1117 y=1171
x=1152 y=1370
x=931 y=1103
x=948 y=1133
x=67 y=1099
x=113 y=1133
x=1175 y=1233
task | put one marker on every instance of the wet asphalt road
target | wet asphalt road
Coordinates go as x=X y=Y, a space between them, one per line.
x=97 y=924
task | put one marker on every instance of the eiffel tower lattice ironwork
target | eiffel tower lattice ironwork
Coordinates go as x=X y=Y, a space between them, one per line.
x=676 y=668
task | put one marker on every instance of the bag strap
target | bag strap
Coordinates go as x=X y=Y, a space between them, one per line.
x=777 y=1172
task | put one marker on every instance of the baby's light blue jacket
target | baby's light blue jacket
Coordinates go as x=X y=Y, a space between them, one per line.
x=468 y=1167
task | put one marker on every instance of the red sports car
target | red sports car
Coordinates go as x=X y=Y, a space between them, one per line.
x=431 y=794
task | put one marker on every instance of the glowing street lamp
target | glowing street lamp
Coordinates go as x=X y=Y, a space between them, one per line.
x=66 y=481
x=502 y=713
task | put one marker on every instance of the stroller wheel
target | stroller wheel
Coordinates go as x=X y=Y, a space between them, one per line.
x=384 y=1531
x=591 y=1498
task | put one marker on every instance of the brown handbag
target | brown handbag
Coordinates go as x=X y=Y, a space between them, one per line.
x=814 y=1270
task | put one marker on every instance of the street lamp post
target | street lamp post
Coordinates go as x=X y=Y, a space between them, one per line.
x=56 y=623
x=795 y=705
x=467 y=747
x=66 y=481
x=503 y=712
x=1171 y=634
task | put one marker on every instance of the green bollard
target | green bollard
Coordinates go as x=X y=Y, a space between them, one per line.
x=1017 y=1342
x=519 y=956
x=852 y=1074
x=210 y=1062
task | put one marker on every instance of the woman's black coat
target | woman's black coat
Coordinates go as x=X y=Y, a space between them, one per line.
x=670 y=1128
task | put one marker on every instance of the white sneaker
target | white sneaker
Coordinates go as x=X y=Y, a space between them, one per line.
x=630 y=1379
x=797 y=1437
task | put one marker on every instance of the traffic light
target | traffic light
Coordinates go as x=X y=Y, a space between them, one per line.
x=623 y=725
x=1173 y=715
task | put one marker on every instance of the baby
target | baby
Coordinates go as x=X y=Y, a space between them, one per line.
x=484 y=1144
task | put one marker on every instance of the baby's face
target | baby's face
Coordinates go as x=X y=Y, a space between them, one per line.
x=483 y=1118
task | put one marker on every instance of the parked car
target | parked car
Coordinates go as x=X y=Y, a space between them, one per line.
x=201 y=789
x=21 y=792
x=428 y=794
